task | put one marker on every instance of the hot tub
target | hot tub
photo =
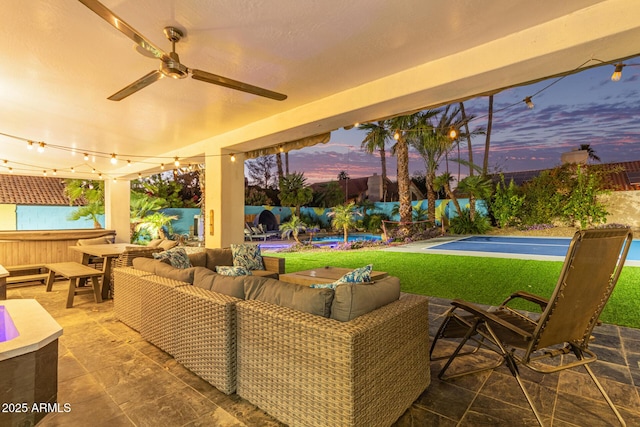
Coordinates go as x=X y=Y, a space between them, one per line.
x=28 y=361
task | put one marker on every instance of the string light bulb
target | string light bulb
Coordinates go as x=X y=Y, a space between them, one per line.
x=529 y=102
x=10 y=170
x=29 y=145
x=41 y=147
x=128 y=162
x=281 y=148
x=114 y=159
x=617 y=73
x=73 y=170
x=86 y=157
x=55 y=172
x=233 y=157
x=44 y=173
x=176 y=162
x=396 y=136
x=453 y=133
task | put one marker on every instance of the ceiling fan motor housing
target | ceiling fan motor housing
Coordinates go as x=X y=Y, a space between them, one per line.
x=173 y=68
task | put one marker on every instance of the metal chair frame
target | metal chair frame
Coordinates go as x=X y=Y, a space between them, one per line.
x=589 y=274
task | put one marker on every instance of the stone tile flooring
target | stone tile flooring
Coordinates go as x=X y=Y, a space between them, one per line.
x=111 y=377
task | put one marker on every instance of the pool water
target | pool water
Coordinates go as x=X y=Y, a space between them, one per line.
x=350 y=238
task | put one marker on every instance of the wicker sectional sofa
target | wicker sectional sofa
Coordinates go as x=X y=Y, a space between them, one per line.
x=302 y=368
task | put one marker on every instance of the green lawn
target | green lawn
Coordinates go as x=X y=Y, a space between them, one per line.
x=481 y=280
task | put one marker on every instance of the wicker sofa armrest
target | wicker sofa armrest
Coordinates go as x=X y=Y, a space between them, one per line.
x=313 y=371
x=272 y=263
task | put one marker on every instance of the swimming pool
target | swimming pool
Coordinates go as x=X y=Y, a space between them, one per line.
x=323 y=241
x=538 y=248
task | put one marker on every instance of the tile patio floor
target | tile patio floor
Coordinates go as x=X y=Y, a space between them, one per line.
x=111 y=377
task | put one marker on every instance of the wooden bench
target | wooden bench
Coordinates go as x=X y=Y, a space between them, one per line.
x=74 y=271
x=26 y=278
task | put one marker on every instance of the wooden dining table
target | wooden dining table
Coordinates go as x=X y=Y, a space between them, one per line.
x=107 y=252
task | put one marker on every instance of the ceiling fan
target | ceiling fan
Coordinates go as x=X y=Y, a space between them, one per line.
x=171 y=66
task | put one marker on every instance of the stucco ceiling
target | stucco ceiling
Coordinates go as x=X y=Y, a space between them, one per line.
x=339 y=62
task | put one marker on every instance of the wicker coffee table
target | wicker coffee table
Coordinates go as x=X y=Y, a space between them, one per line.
x=323 y=275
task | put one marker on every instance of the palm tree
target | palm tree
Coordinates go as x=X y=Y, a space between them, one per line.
x=92 y=192
x=294 y=191
x=343 y=217
x=402 y=125
x=432 y=143
x=375 y=140
x=487 y=141
x=478 y=187
x=293 y=227
x=590 y=151
x=443 y=181
x=154 y=224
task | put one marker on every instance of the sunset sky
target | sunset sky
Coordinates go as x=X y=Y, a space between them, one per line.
x=584 y=108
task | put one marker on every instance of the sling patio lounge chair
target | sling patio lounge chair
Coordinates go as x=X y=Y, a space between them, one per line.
x=563 y=330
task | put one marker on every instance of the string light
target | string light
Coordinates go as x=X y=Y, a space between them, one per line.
x=162 y=166
x=114 y=159
x=73 y=170
x=55 y=172
x=44 y=173
x=176 y=162
x=528 y=101
x=41 y=147
x=86 y=157
x=128 y=162
x=396 y=136
x=10 y=170
x=29 y=145
x=453 y=133
x=233 y=157
x=617 y=73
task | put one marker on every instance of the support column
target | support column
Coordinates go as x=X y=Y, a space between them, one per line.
x=116 y=208
x=224 y=199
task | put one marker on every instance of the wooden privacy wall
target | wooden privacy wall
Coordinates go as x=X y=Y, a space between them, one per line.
x=43 y=246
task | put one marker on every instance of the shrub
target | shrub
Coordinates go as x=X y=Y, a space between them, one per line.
x=506 y=204
x=582 y=204
x=463 y=224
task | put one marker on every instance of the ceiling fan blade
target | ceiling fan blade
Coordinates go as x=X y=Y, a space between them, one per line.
x=234 y=84
x=141 y=83
x=126 y=29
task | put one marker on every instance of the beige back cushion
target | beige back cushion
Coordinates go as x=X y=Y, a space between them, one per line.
x=227 y=285
x=219 y=256
x=297 y=297
x=355 y=299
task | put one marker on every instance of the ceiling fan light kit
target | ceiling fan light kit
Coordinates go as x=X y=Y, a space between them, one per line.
x=170 y=62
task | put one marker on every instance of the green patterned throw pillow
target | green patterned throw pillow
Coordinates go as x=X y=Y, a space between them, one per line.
x=359 y=275
x=247 y=256
x=177 y=257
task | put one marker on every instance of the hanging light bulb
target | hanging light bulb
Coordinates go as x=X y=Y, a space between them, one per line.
x=73 y=170
x=281 y=148
x=44 y=173
x=396 y=135
x=233 y=157
x=176 y=162
x=100 y=175
x=10 y=170
x=114 y=159
x=55 y=172
x=41 y=147
x=114 y=179
x=528 y=101
x=86 y=157
x=617 y=73
x=93 y=170
x=139 y=175
x=162 y=166
x=128 y=162
x=453 y=133
x=29 y=145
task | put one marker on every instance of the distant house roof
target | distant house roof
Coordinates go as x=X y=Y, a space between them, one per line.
x=622 y=176
x=33 y=190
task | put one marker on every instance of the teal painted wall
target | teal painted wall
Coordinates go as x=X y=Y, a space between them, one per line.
x=49 y=218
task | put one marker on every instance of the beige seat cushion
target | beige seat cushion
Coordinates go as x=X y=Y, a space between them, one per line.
x=227 y=285
x=167 y=244
x=95 y=241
